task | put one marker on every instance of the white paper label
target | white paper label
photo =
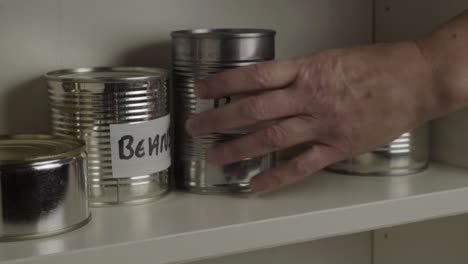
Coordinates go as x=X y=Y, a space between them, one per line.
x=140 y=149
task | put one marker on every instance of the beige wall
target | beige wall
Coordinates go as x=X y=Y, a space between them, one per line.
x=39 y=36
x=353 y=249
x=432 y=242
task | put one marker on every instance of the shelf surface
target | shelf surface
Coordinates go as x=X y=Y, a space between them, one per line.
x=184 y=227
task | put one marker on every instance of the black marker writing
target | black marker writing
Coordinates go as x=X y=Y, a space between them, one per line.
x=128 y=147
x=156 y=145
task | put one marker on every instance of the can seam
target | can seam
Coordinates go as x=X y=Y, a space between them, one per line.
x=229 y=33
x=158 y=73
x=11 y=238
x=395 y=172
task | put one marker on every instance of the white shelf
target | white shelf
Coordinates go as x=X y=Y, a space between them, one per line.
x=184 y=227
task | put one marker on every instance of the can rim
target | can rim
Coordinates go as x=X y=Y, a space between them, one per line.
x=147 y=73
x=71 y=147
x=21 y=237
x=224 y=33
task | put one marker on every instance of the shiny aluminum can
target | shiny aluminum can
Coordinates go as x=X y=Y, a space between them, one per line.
x=197 y=54
x=407 y=154
x=122 y=113
x=42 y=186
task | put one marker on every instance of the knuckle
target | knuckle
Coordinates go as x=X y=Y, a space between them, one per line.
x=303 y=166
x=223 y=152
x=203 y=88
x=261 y=75
x=276 y=180
x=215 y=84
x=255 y=108
x=275 y=137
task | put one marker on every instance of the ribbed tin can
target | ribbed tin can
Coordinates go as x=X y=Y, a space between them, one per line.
x=123 y=115
x=42 y=186
x=196 y=55
x=407 y=154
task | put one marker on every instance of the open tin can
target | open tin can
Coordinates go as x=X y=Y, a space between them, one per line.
x=42 y=186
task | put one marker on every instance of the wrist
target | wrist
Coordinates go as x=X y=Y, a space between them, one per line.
x=395 y=72
x=444 y=53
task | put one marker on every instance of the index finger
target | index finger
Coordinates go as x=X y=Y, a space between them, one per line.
x=256 y=77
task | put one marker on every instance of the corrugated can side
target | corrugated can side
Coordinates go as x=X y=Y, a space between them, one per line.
x=196 y=55
x=94 y=104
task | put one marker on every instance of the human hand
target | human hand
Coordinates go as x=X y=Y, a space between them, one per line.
x=339 y=103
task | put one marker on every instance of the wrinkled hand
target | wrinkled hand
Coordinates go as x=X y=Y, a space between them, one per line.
x=340 y=103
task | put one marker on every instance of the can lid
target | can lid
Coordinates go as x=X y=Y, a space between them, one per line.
x=107 y=74
x=26 y=149
x=224 y=33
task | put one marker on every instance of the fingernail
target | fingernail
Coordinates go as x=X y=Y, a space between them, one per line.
x=200 y=89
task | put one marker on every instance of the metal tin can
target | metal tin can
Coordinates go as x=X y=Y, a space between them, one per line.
x=42 y=186
x=196 y=55
x=123 y=115
x=407 y=154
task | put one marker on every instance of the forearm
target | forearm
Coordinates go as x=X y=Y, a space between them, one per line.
x=446 y=52
x=427 y=77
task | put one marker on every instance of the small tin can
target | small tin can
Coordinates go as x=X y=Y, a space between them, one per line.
x=42 y=186
x=122 y=113
x=407 y=154
x=197 y=54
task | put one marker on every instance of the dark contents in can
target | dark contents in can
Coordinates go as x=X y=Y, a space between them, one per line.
x=28 y=194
